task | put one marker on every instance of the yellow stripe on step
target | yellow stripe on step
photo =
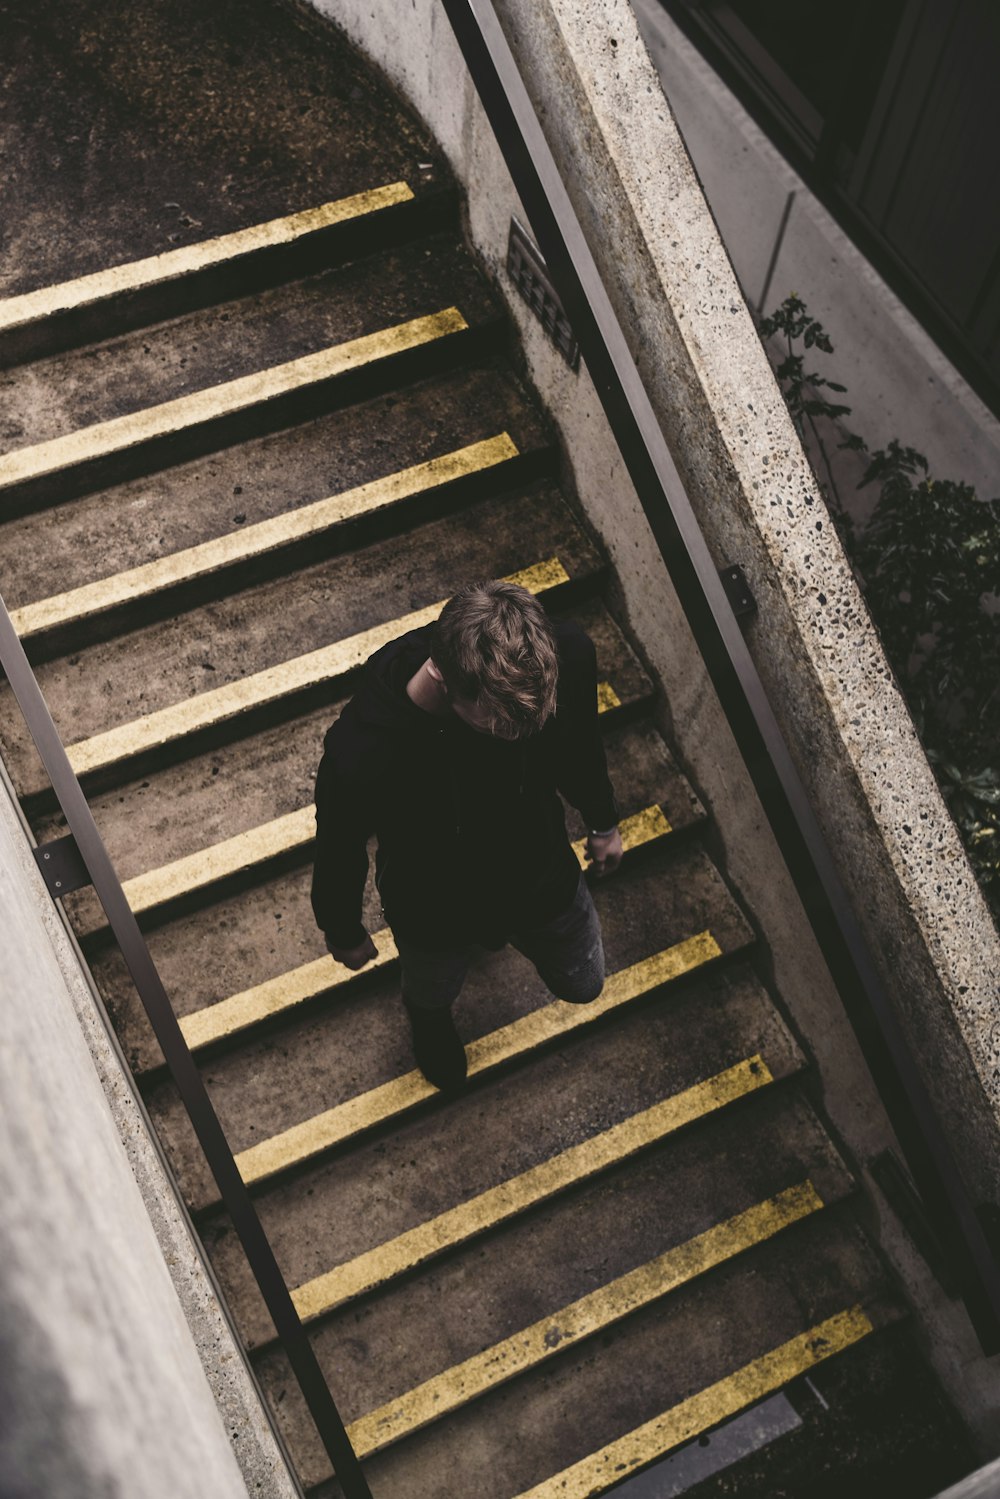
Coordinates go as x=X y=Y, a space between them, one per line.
x=515 y=1195
x=93 y=599
x=389 y=1101
x=154 y=270
x=104 y=439
x=590 y=1315
x=606 y=1469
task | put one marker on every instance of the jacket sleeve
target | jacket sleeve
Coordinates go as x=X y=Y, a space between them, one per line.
x=582 y=772
x=344 y=823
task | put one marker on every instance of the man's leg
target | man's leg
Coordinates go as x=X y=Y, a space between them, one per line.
x=568 y=950
x=431 y=982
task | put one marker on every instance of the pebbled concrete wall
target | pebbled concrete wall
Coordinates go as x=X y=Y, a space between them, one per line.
x=118 y=1373
x=665 y=267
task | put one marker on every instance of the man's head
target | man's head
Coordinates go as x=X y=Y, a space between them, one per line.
x=495 y=654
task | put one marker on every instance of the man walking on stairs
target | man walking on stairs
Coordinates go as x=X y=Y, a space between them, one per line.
x=452 y=752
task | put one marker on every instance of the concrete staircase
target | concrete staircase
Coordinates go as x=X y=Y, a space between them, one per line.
x=229 y=472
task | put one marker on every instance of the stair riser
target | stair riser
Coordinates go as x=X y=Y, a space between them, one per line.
x=396 y=225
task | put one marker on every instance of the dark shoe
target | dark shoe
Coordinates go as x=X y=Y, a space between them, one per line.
x=437 y=1047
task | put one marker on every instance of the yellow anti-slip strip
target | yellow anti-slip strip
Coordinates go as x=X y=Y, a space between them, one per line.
x=518 y=1193
x=207 y=709
x=389 y=1101
x=230 y=1016
x=137 y=275
x=185 y=412
x=269 y=840
x=590 y=1315
x=606 y=1469
x=80 y=604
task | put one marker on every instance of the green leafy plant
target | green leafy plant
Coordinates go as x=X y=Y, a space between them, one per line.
x=928 y=562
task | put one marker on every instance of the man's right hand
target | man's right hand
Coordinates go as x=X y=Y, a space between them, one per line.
x=354 y=957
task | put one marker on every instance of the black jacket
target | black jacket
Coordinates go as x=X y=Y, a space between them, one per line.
x=471 y=837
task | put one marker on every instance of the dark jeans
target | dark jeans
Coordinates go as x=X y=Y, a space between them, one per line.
x=567 y=951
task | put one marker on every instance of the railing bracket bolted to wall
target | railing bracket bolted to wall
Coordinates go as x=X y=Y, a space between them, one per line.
x=62 y=866
x=738 y=591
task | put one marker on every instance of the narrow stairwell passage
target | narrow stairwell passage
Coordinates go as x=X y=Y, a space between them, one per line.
x=261 y=414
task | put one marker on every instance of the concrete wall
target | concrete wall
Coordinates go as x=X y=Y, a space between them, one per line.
x=983 y=1484
x=899 y=384
x=665 y=267
x=108 y=1385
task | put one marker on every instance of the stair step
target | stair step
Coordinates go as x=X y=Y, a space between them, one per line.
x=622 y=1085
x=586 y=1318
x=135 y=403
x=389 y=1102
x=77 y=609
x=344 y=1064
x=196 y=503
x=127 y=295
x=134 y=135
x=605 y=1469
x=583 y=1421
x=157 y=673
x=354 y=1039
x=88 y=447
x=415 y=1332
x=479 y=1214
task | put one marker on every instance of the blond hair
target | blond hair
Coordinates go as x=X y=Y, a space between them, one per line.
x=493 y=645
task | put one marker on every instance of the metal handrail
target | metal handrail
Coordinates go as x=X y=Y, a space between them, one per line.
x=232 y=1189
x=741 y=694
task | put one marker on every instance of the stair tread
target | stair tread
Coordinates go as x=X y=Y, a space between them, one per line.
x=64 y=395
x=220 y=251
x=193 y=503
x=116 y=682
x=319 y=1059
x=391 y=1184
x=139 y=148
x=602 y=1391
x=555 y=1256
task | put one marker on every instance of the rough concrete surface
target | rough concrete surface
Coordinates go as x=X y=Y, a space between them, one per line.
x=625 y=163
x=112 y=1339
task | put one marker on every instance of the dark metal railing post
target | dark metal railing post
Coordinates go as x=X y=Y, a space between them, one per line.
x=211 y=1137
x=692 y=570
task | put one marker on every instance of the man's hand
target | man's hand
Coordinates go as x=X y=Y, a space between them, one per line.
x=354 y=957
x=605 y=854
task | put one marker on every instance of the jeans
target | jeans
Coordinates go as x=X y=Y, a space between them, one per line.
x=567 y=950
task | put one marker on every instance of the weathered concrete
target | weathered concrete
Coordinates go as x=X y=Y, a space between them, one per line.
x=983 y=1484
x=113 y=1341
x=666 y=269
x=899 y=384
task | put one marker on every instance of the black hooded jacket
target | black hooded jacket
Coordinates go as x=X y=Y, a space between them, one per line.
x=472 y=841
